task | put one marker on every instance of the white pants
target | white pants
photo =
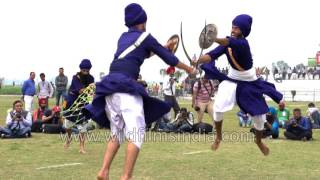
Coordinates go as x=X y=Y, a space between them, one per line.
x=226 y=97
x=28 y=103
x=126 y=115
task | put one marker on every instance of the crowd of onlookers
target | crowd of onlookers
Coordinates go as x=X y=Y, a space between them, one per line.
x=299 y=72
x=20 y=122
x=296 y=126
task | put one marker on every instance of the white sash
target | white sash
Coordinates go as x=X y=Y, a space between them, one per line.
x=134 y=45
x=248 y=75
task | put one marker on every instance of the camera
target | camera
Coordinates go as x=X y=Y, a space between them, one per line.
x=18 y=115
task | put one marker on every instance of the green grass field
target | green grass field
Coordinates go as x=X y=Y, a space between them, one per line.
x=12 y=90
x=163 y=156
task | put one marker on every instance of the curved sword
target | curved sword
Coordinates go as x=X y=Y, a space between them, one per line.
x=183 y=47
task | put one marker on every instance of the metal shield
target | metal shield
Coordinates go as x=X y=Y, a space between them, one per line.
x=207 y=36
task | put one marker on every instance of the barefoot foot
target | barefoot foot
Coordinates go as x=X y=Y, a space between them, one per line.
x=103 y=175
x=263 y=148
x=215 y=144
x=82 y=151
x=67 y=145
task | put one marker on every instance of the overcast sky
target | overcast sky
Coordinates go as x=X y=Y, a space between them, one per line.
x=43 y=35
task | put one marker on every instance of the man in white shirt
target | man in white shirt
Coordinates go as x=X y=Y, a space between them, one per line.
x=45 y=88
x=18 y=122
x=169 y=90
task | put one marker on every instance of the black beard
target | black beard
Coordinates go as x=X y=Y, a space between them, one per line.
x=84 y=79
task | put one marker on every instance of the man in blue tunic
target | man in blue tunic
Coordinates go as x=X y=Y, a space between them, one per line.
x=79 y=82
x=241 y=85
x=121 y=103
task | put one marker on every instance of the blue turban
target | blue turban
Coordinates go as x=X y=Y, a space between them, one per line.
x=244 y=22
x=134 y=14
x=85 y=64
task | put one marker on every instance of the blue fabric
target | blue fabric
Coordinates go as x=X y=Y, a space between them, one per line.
x=29 y=88
x=85 y=64
x=122 y=83
x=275 y=128
x=22 y=132
x=244 y=22
x=302 y=126
x=249 y=95
x=74 y=92
x=134 y=14
x=123 y=74
x=273 y=111
x=131 y=63
x=240 y=51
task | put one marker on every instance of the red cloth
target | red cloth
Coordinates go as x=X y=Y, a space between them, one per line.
x=170 y=70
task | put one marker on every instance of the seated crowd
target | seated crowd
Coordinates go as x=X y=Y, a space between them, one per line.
x=297 y=127
x=20 y=123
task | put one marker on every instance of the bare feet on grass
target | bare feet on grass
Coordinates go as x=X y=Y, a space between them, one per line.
x=124 y=177
x=82 y=151
x=215 y=145
x=263 y=148
x=103 y=175
x=67 y=145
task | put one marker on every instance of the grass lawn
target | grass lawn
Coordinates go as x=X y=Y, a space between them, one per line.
x=163 y=156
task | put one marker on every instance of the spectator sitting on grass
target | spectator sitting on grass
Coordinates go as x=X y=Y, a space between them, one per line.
x=38 y=116
x=182 y=123
x=54 y=121
x=313 y=115
x=283 y=115
x=298 y=128
x=18 y=122
x=244 y=119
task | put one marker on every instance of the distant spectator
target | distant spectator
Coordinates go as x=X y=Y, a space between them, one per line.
x=28 y=91
x=283 y=115
x=202 y=102
x=45 y=88
x=61 y=83
x=275 y=72
x=244 y=119
x=39 y=117
x=299 y=128
x=313 y=115
x=289 y=73
x=169 y=90
x=18 y=122
x=310 y=73
x=284 y=74
x=304 y=72
x=294 y=73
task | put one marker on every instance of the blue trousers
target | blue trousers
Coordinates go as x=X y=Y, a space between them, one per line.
x=19 y=133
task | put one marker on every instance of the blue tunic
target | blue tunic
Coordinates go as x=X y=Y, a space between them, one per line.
x=240 y=51
x=74 y=92
x=249 y=95
x=123 y=76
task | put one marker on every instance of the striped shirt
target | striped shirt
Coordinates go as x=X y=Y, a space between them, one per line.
x=205 y=92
